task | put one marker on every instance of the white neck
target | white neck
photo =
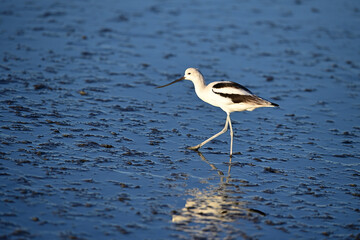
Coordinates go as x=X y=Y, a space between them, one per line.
x=199 y=84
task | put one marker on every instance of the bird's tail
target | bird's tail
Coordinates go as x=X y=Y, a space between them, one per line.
x=274 y=104
x=267 y=103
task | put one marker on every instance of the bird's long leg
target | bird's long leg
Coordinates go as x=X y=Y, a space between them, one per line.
x=211 y=138
x=231 y=135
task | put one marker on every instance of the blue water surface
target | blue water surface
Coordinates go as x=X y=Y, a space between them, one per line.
x=90 y=149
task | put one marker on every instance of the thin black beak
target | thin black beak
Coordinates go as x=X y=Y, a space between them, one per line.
x=177 y=80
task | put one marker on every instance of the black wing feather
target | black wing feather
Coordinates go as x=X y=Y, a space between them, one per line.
x=236 y=98
x=231 y=84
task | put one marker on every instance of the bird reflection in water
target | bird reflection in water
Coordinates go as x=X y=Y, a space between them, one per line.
x=208 y=213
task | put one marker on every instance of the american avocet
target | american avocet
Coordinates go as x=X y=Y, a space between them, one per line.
x=229 y=96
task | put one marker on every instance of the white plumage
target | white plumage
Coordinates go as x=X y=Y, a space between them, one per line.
x=229 y=96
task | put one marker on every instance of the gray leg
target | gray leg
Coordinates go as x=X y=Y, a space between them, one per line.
x=231 y=135
x=211 y=138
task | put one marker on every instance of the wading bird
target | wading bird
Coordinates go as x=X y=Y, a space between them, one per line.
x=229 y=96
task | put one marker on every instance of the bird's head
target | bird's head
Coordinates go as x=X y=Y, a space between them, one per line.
x=191 y=74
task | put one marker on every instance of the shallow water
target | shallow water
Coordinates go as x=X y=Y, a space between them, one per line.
x=91 y=150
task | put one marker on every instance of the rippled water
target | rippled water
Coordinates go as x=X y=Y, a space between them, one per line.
x=91 y=150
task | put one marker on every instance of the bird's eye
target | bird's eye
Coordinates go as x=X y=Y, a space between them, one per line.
x=189 y=73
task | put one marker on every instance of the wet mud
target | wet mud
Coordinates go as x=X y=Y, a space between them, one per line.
x=90 y=149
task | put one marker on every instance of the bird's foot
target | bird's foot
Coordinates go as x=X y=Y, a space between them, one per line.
x=194 y=147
